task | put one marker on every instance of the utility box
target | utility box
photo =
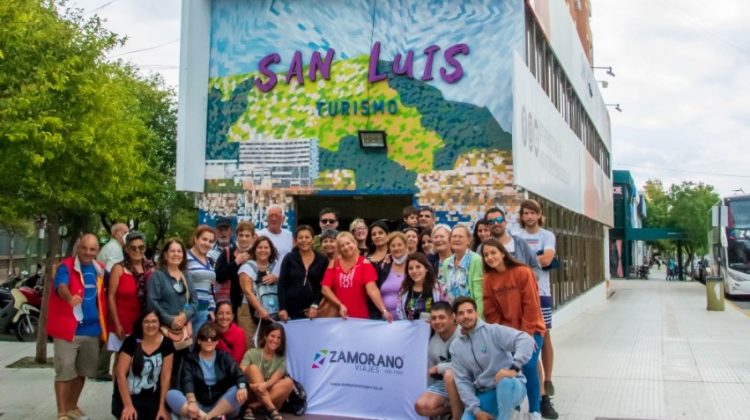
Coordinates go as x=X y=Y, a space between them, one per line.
x=715 y=293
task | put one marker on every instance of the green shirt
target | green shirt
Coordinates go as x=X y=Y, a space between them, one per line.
x=266 y=367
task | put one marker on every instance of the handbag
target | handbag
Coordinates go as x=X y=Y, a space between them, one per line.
x=181 y=338
x=297 y=402
x=328 y=310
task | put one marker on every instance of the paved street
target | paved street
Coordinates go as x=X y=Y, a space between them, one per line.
x=652 y=351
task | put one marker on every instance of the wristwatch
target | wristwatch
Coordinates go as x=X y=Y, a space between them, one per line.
x=242 y=385
x=314 y=306
x=514 y=367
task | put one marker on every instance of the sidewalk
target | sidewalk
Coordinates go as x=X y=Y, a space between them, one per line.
x=652 y=351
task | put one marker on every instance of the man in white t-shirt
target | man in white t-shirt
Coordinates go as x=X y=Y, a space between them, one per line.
x=281 y=238
x=542 y=242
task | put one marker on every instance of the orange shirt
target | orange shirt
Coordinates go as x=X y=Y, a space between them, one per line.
x=511 y=298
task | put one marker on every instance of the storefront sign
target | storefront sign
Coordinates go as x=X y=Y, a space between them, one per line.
x=403 y=65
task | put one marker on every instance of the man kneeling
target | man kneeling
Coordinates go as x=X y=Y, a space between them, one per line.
x=486 y=360
x=442 y=387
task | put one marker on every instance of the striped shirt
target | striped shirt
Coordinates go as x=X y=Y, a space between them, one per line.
x=202 y=276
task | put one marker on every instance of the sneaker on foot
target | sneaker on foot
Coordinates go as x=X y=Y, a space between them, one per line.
x=549 y=389
x=548 y=411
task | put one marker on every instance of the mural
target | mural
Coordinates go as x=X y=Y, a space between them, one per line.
x=292 y=83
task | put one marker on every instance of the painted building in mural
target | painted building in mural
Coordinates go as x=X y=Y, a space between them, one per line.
x=482 y=103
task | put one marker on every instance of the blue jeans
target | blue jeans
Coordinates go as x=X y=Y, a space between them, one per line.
x=200 y=318
x=501 y=401
x=532 y=376
x=176 y=400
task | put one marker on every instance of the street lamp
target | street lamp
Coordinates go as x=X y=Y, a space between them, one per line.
x=608 y=68
x=615 y=106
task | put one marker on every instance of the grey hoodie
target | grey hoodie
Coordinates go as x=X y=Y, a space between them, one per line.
x=478 y=356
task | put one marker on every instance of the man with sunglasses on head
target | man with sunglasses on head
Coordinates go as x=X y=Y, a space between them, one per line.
x=516 y=246
x=328 y=219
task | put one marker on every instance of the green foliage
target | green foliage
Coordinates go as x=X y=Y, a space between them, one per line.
x=686 y=206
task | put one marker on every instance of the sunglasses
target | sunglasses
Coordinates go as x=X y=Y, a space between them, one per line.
x=328 y=221
x=497 y=220
x=137 y=248
x=208 y=338
x=179 y=287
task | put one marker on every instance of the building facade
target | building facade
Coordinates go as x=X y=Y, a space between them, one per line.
x=629 y=207
x=480 y=103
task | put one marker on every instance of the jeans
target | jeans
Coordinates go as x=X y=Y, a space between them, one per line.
x=532 y=376
x=200 y=318
x=176 y=400
x=501 y=401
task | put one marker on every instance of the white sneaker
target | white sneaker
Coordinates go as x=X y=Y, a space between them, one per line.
x=535 y=416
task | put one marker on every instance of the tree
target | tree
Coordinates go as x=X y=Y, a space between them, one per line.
x=69 y=127
x=687 y=207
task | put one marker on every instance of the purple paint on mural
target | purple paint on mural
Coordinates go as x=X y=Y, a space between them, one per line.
x=295 y=69
x=372 y=74
x=324 y=66
x=430 y=53
x=450 y=55
x=263 y=68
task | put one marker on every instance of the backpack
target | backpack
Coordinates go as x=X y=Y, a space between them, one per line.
x=297 y=402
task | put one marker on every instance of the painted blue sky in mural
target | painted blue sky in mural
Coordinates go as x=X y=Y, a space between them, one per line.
x=243 y=32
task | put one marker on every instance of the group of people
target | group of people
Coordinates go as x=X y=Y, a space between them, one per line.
x=198 y=334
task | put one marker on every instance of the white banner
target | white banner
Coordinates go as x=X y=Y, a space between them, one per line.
x=359 y=368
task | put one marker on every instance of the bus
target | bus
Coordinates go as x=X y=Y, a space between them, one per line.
x=730 y=244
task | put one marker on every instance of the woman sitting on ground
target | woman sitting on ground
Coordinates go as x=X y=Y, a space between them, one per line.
x=266 y=368
x=211 y=384
x=142 y=377
x=231 y=337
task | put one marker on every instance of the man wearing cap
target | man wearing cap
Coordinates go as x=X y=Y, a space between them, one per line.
x=224 y=241
x=328 y=219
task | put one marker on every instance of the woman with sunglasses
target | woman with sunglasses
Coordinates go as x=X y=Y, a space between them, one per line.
x=231 y=337
x=212 y=383
x=171 y=294
x=299 y=280
x=511 y=298
x=126 y=291
x=142 y=372
x=266 y=368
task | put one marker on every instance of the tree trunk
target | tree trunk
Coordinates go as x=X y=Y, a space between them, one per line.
x=11 y=259
x=53 y=232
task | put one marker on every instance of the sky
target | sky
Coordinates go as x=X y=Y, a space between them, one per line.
x=680 y=67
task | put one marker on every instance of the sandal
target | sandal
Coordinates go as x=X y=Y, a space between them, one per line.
x=249 y=415
x=63 y=416
x=275 y=415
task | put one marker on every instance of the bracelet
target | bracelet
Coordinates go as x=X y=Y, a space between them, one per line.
x=314 y=306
